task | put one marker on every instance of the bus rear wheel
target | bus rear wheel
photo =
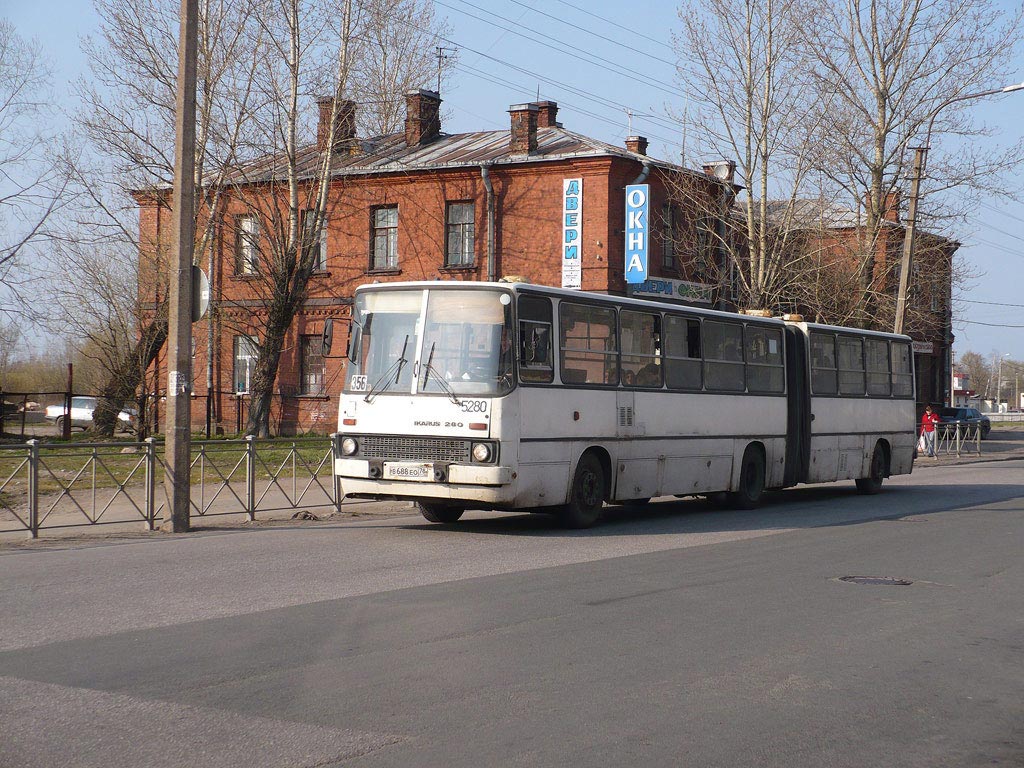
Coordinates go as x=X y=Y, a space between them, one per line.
x=873 y=482
x=439 y=513
x=586 y=496
x=748 y=495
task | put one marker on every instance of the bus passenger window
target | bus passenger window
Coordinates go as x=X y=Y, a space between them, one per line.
x=535 y=354
x=723 y=356
x=682 y=353
x=902 y=373
x=640 y=338
x=851 y=365
x=764 y=360
x=823 y=364
x=587 y=341
x=876 y=357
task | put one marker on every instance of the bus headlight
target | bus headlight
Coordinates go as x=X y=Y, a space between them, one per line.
x=349 y=446
x=481 y=452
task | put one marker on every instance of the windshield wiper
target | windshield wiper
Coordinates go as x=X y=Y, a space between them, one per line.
x=429 y=369
x=396 y=367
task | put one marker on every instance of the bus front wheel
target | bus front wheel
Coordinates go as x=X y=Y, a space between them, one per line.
x=586 y=495
x=439 y=513
x=751 y=488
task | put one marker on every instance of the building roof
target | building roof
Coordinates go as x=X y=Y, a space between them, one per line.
x=390 y=154
x=821 y=214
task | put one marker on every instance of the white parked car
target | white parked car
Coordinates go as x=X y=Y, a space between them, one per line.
x=81 y=414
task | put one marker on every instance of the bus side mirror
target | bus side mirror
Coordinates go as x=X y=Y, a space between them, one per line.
x=355 y=337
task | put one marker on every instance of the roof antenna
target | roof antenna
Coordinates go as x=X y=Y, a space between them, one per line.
x=441 y=56
x=629 y=121
x=538 y=91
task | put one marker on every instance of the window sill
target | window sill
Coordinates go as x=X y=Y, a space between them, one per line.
x=384 y=271
x=246 y=276
x=458 y=268
x=303 y=396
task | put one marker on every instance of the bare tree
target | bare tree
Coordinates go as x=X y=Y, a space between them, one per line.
x=119 y=309
x=886 y=72
x=291 y=201
x=744 y=74
x=30 y=190
x=394 y=50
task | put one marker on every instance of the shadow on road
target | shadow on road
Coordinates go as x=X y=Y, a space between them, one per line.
x=805 y=507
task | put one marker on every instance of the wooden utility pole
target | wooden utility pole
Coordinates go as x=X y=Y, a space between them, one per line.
x=179 y=338
x=908 y=240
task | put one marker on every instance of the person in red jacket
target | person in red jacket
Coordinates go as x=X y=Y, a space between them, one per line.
x=928 y=421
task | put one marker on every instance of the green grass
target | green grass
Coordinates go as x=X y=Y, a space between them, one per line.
x=61 y=464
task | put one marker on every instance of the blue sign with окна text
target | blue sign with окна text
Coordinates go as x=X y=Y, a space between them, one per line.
x=637 y=226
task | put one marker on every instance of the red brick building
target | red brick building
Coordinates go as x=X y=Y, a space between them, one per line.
x=422 y=204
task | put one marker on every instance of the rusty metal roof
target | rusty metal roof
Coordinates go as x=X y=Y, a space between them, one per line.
x=390 y=154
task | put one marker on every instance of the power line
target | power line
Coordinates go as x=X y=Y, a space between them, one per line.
x=987 y=325
x=557 y=83
x=617 y=25
x=599 y=61
x=990 y=303
x=572 y=89
x=496 y=80
x=594 y=34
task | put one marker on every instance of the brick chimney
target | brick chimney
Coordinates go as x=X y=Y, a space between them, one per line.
x=523 y=139
x=637 y=144
x=422 y=116
x=547 y=114
x=344 y=124
x=890 y=205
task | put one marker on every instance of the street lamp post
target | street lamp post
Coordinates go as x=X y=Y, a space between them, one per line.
x=920 y=154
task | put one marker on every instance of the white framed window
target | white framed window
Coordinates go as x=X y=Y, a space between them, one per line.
x=311 y=365
x=385 y=238
x=246 y=351
x=247 y=245
x=459 y=235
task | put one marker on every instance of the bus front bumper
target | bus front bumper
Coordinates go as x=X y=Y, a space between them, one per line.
x=477 y=482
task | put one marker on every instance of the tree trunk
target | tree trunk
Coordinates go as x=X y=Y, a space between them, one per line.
x=123 y=384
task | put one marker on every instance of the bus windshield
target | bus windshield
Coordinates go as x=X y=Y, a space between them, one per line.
x=463 y=346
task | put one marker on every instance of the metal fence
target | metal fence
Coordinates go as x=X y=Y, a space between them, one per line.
x=64 y=485
x=958 y=439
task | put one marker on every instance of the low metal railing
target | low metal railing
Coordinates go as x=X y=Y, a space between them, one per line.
x=50 y=486
x=958 y=439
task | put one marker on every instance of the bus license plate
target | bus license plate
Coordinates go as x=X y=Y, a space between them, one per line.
x=423 y=473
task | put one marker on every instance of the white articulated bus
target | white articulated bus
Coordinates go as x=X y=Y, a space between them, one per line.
x=520 y=397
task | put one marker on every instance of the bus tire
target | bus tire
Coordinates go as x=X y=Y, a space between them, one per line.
x=586 y=496
x=751 y=488
x=873 y=482
x=439 y=513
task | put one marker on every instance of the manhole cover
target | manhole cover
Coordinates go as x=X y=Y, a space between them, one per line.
x=885 y=581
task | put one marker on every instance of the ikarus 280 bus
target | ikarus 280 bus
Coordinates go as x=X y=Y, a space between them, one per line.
x=519 y=397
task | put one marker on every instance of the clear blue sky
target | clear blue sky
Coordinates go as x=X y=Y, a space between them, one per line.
x=483 y=88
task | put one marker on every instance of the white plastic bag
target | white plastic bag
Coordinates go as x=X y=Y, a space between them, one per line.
x=921 y=445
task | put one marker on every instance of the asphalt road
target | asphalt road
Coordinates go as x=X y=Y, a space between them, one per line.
x=671 y=635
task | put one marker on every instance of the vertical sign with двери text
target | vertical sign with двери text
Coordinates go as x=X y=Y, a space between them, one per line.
x=636 y=233
x=572 y=229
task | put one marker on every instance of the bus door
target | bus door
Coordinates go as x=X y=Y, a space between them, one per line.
x=798 y=401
